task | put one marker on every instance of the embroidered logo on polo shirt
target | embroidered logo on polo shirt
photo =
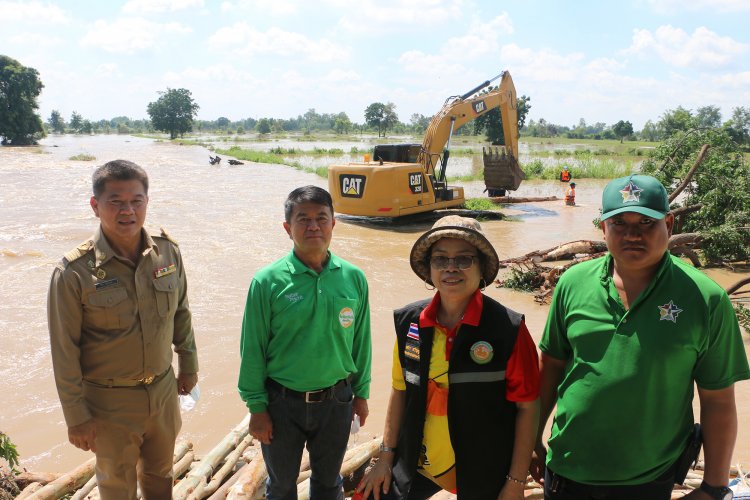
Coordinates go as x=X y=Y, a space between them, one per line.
x=346 y=317
x=482 y=352
x=669 y=312
x=631 y=192
x=293 y=297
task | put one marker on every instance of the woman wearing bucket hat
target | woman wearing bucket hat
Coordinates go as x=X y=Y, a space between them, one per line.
x=464 y=408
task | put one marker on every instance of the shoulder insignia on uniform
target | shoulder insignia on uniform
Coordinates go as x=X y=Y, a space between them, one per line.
x=167 y=237
x=78 y=252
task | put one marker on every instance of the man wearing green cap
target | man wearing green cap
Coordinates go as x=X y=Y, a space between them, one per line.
x=627 y=336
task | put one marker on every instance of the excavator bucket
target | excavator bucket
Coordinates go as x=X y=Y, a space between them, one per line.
x=501 y=170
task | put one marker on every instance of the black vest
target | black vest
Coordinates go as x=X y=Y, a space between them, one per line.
x=481 y=421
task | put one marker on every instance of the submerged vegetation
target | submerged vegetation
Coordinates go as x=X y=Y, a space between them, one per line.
x=82 y=157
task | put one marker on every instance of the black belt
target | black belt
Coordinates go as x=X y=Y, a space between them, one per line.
x=317 y=396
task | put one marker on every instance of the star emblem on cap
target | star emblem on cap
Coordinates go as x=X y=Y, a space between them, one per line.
x=669 y=312
x=631 y=192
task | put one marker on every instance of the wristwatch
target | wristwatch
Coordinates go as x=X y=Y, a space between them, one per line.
x=717 y=492
x=383 y=448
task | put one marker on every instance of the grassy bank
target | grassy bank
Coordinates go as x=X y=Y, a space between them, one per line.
x=587 y=158
x=266 y=157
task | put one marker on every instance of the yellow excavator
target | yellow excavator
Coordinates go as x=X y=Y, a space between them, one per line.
x=406 y=179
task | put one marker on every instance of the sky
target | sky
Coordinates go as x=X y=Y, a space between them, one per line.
x=602 y=61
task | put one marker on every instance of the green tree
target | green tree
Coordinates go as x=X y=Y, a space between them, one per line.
x=56 y=122
x=342 y=123
x=492 y=122
x=381 y=116
x=19 y=88
x=738 y=126
x=708 y=117
x=622 y=129
x=86 y=127
x=650 y=132
x=173 y=112
x=311 y=119
x=76 y=122
x=391 y=118
x=419 y=122
x=222 y=122
x=264 y=126
x=676 y=120
x=721 y=185
x=374 y=114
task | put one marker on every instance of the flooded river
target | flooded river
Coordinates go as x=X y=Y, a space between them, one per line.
x=228 y=223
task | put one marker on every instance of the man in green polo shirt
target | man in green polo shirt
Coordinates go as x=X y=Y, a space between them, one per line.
x=306 y=352
x=627 y=336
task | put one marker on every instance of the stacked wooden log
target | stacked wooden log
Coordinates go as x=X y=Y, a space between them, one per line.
x=233 y=469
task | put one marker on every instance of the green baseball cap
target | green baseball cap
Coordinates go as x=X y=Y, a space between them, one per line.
x=642 y=194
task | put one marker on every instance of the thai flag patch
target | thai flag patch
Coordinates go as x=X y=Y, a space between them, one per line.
x=413 y=331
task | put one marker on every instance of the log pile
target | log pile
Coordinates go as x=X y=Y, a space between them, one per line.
x=233 y=469
x=542 y=279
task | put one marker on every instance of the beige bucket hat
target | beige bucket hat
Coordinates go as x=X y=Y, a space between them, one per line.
x=454 y=226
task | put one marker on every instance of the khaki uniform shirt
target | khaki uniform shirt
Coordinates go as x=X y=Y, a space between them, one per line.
x=110 y=320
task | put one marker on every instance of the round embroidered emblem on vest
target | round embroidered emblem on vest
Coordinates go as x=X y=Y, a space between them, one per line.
x=482 y=352
x=346 y=317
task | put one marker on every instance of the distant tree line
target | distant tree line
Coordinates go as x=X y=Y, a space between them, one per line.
x=174 y=112
x=671 y=122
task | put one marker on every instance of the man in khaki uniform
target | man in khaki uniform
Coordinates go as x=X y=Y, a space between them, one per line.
x=116 y=305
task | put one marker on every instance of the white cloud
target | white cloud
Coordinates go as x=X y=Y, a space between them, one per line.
x=677 y=6
x=214 y=73
x=543 y=65
x=246 y=41
x=129 y=35
x=393 y=15
x=482 y=39
x=481 y=42
x=38 y=12
x=36 y=40
x=701 y=49
x=604 y=64
x=157 y=6
x=108 y=70
x=274 y=8
x=337 y=76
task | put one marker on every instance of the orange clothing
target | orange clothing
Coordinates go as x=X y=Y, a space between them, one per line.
x=570 y=196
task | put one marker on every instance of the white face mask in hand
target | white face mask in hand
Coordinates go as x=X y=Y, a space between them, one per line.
x=187 y=401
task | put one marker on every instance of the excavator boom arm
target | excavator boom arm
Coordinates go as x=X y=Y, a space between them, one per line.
x=460 y=111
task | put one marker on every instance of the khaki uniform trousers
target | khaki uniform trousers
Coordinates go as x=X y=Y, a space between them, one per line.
x=136 y=428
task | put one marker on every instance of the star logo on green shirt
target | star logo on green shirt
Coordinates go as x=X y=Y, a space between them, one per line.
x=669 y=312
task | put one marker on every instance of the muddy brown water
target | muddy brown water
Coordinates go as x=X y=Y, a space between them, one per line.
x=228 y=223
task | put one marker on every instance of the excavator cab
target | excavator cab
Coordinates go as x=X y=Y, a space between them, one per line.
x=399 y=153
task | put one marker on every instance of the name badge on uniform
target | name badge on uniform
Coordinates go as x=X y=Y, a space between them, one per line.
x=163 y=271
x=106 y=284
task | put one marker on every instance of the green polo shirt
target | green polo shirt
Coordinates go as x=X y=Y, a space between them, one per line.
x=305 y=330
x=624 y=408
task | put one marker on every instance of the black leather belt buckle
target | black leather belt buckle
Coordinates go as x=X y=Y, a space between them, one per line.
x=317 y=396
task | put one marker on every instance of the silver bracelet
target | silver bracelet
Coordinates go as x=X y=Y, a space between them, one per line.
x=513 y=479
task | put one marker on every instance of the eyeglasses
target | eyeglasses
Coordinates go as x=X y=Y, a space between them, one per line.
x=461 y=262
